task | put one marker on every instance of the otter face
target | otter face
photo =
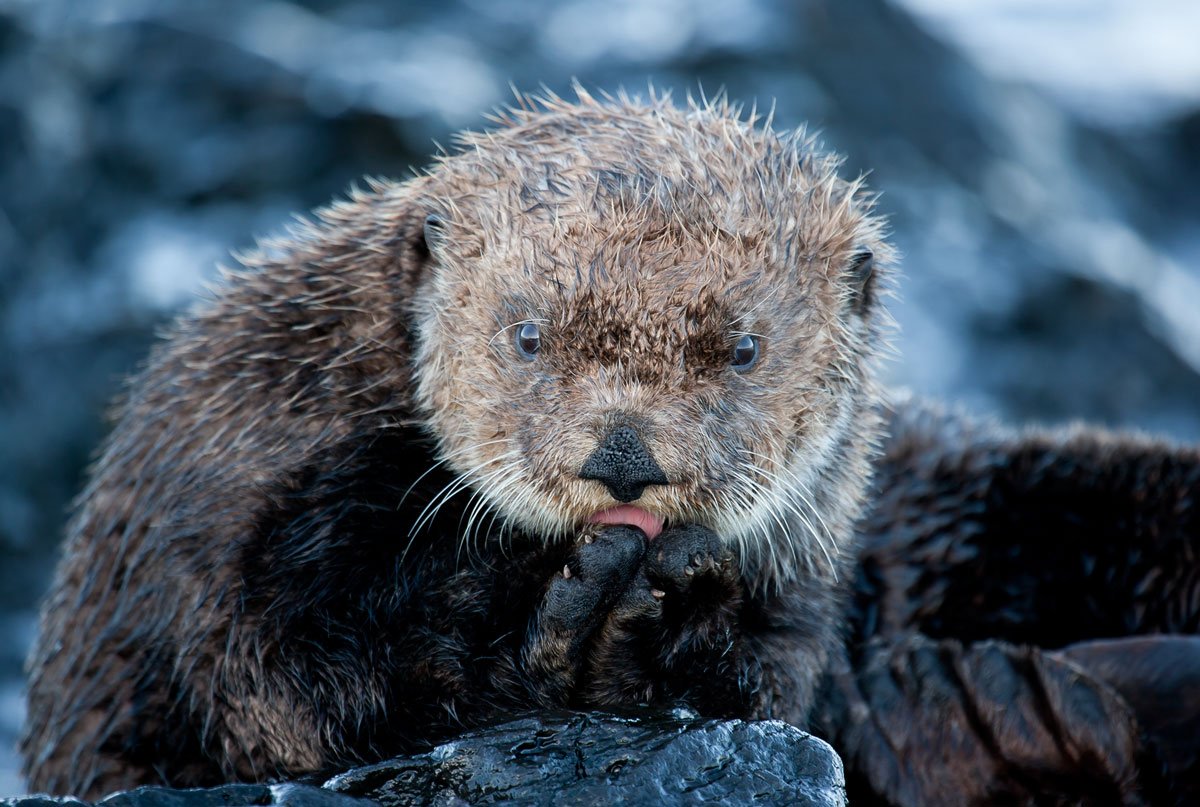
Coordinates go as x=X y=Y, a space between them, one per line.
x=644 y=316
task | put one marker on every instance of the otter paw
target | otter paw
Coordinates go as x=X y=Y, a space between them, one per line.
x=592 y=579
x=578 y=599
x=690 y=563
x=673 y=632
x=702 y=594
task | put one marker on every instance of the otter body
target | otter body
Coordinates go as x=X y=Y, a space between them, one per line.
x=1024 y=618
x=580 y=417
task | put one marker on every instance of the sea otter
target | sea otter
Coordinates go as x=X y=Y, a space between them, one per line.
x=583 y=416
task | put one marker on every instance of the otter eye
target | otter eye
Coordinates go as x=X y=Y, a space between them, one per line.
x=745 y=353
x=529 y=340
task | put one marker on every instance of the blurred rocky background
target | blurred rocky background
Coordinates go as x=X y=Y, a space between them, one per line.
x=1038 y=159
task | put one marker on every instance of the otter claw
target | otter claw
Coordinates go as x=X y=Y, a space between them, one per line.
x=657 y=593
x=567 y=572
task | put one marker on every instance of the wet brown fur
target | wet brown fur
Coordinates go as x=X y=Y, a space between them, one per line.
x=242 y=593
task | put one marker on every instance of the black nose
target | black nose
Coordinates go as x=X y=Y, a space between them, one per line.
x=624 y=465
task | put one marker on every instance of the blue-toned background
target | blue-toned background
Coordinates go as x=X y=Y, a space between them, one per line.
x=1039 y=160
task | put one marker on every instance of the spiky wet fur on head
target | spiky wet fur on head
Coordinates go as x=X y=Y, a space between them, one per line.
x=645 y=239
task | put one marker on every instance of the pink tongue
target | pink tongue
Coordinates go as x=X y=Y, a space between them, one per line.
x=648 y=523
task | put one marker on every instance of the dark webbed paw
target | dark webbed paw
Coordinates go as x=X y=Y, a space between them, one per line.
x=673 y=633
x=576 y=602
x=695 y=571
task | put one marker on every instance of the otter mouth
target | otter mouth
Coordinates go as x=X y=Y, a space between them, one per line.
x=630 y=516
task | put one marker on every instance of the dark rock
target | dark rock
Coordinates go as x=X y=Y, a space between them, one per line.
x=297 y=795
x=560 y=759
x=224 y=796
x=578 y=759
x=292 y=795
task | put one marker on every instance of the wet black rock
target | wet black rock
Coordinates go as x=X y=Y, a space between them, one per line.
x=563 y=759
x=292 y=795
x=590 y=759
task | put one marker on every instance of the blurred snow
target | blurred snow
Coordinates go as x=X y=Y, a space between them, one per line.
x=16 y=633
x=583 y=31
x=12 y=714
x=1115 y=62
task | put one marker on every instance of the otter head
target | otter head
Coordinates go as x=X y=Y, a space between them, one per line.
x=646 y=315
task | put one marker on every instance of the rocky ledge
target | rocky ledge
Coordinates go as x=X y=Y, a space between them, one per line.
x=561 y=759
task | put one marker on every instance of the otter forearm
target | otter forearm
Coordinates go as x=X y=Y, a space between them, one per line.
x=791 y=636
x=414 y=652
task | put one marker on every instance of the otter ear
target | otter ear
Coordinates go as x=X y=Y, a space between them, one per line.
x=861 y=276
x=428 y=238
x=433 y=233
x=422 y=236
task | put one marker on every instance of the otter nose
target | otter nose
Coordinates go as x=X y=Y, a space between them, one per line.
x=623 y=465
